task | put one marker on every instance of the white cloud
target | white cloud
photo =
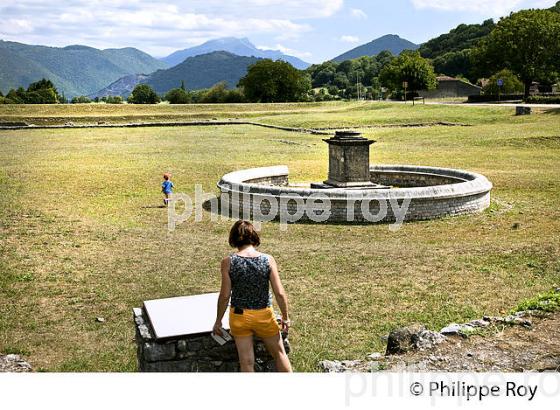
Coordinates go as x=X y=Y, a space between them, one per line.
x=493 y=8
x=157 y=26
x=17 y=26
x=289 y=9
x=358 y=13
x=350 y=39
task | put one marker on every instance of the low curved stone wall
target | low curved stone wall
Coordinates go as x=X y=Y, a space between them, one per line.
x=421 y=193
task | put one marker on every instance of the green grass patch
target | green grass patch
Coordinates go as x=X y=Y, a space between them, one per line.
x=545 y=302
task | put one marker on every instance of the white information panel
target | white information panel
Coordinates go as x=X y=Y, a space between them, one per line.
x=185 y=315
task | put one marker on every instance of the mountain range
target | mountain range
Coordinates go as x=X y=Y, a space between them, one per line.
x=202 y=71
x=81 y=70
x=237 y=46
x=390 y=42
x=75 y=70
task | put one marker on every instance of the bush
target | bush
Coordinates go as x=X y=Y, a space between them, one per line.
x=41 y=96
x=44 y=92
x=81 y=99
x=493 y=98
x=177 y=96
x=143 y=94
x=219 y=93
x=40 y=92
x=543 y=99
x=112 y=99
x=511 y=84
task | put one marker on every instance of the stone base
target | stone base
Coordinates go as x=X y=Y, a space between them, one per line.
x=354 y=184
x=348 y=186
x=192 y=353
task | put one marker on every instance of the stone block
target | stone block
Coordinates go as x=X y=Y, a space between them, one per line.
x=154 y=352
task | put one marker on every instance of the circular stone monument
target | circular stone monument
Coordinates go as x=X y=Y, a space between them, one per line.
x=355 y=191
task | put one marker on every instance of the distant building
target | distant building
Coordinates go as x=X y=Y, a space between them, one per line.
x=451 y=87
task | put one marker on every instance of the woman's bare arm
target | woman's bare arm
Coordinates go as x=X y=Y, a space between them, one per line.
x=278 y=289
x=225 y=293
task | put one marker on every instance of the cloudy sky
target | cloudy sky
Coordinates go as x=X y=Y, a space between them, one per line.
x=314 y=30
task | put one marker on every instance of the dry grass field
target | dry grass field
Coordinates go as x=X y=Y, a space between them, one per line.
x=81 y=235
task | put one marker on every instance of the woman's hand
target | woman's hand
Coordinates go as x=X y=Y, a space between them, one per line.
x=217 y=330
x=285 y=325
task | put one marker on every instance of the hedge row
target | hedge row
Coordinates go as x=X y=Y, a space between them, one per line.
x=491 y=98
x=543 y=99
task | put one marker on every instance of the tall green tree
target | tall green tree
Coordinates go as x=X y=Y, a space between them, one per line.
x=274 y=81
x=42 y=92
x=527 y=43
x=417 y=71
x=143 y=94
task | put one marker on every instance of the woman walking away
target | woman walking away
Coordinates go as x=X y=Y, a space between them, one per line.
x=246 y=275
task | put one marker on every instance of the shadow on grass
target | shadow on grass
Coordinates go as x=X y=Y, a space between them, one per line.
x=553 y=111
x=153 y=207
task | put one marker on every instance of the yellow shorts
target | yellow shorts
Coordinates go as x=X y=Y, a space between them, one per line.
x=259 y=322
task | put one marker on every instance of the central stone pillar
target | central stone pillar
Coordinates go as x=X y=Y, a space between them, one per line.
x=348 y=160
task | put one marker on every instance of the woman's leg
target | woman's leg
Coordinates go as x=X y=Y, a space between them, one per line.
x=246 y=353
x=275 y=347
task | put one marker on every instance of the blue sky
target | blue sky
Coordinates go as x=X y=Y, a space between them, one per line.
x=314 y=30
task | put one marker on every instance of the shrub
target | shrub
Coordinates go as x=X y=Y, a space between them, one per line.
x=511 y=83
x=81 y=99
x=543 y=99
x=143 y=94
x=112 y=99
x=41 y=96
x=491 y=98
x=177 y=96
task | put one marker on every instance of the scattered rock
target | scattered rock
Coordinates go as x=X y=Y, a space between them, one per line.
x=13 y=363
x=375 y=366
x=415 y=337
x=403 y=339
x=288 y=142
x=455 y=329
x=100 y=320
x=480 y=323
x=375 y=356
x=516 y=320
x=427 y=339
x=331 y=366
